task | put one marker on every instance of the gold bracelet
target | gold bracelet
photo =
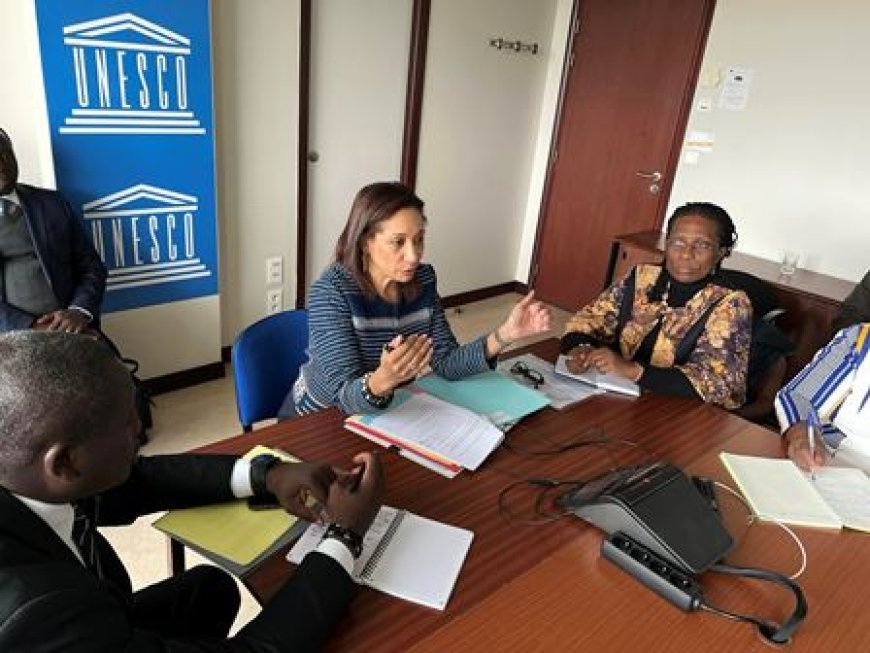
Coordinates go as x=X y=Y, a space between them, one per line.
x=501 y=342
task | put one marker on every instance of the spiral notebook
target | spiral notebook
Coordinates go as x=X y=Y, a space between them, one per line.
x=404 y=555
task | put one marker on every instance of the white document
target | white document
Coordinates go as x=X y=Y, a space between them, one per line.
x=405 y=555
x=449 y=431
x=559 y=390
x=735 y=89
x=609 y=382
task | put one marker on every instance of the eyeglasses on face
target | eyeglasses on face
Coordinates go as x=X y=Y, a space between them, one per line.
x=533 y=376
x=699 y=246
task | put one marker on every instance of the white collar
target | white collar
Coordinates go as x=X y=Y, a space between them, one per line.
x=58 y=516
x=12 y=197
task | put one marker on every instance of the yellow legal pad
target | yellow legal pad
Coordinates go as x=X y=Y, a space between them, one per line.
x=231 y=531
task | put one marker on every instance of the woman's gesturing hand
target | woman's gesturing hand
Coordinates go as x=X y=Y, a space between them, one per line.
x=402 y=360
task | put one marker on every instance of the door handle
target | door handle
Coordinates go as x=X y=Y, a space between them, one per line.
x=654 y=177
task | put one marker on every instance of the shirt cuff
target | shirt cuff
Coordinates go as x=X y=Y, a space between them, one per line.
x=338 y=551
x=240 y=480
x=83 y=311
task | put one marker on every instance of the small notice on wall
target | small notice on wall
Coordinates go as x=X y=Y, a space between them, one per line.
x=735 y=89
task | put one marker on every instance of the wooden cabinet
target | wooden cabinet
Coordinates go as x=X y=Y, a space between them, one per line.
x=811 y=300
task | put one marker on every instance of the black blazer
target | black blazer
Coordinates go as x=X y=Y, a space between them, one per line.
x=50 y=602
x=73 y=268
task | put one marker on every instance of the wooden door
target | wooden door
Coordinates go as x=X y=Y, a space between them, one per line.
x=625 y=102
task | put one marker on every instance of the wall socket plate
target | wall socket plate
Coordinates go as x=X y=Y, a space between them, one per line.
x=274 y=271
x=274 y=301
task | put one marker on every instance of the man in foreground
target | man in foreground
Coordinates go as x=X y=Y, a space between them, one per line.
x=68 y=460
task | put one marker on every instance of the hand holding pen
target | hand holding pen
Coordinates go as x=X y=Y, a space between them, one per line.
x=801 y=442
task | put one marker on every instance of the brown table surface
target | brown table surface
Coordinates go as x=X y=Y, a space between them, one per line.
x=546 y=587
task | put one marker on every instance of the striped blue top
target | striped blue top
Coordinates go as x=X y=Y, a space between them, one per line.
x=825 y=382
x=347 y=331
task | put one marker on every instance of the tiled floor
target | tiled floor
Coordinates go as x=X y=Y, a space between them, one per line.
x=206 y=413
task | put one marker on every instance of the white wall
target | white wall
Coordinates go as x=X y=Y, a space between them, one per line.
x=793 y=168
x=23 y=111
x=256 y=77
x=555 y=55
x=481 y=111
x=359 y=69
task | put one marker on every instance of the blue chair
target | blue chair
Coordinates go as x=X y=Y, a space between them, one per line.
x=266 y=359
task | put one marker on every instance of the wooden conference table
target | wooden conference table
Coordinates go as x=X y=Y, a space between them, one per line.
x=546 y=587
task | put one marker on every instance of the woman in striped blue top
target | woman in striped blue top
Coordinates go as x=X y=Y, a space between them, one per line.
x=831 y=395
x=375 y=318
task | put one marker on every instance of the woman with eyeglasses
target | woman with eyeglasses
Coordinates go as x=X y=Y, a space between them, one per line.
x=375 y=319
x=676 y=329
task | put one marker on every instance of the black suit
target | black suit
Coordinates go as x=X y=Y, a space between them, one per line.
x=72 y=266
x=49 y=601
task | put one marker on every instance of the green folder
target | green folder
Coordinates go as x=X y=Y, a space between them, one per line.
x=230 y=532
x=501 y=400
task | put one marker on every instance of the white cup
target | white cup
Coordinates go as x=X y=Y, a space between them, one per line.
x=789 y=262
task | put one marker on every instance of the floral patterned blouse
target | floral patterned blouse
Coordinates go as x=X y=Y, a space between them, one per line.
x=717 y=366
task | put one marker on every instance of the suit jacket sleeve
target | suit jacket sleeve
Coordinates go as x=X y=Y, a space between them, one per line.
x=168 y=482
x=90 y=273
x=82 y=617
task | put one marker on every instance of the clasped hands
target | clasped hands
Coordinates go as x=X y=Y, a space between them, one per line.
x=351 y=498
x=603 y=359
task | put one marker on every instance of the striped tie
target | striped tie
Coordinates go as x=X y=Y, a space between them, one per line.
x=84 y=535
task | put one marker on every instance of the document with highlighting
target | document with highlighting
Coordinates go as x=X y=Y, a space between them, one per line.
x=433 y=428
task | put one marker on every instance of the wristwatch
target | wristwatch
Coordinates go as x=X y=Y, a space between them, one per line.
x=351 y=539
x=260 y=466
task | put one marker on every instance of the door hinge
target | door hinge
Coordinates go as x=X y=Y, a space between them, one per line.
x=571 y=60
x=554 y=156
x=534 y=277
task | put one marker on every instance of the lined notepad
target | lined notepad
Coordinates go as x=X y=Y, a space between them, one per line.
x=777 y=490
x=404 y=555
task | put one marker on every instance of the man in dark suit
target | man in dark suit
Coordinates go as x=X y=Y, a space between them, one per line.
x=68 y=460
x=51 y=277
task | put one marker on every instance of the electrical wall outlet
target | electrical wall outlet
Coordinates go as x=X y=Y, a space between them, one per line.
x=274 y=301
x=274 y=271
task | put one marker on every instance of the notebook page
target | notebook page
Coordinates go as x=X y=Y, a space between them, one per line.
x=778 y=491
x=847 y=492
x=455 y=433
x=422 y=561
x=311 y=538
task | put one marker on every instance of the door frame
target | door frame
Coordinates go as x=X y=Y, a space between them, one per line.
x=676 y=145
x=410 y=131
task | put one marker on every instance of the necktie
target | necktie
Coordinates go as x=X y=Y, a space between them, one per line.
x=84 y=535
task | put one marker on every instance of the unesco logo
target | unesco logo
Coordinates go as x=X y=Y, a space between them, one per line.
x=145 y=236
x=131 y=77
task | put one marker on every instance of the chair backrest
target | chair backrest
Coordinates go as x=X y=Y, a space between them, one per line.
x=266 y=359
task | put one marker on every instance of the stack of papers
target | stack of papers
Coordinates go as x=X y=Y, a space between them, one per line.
x=404 y=555
x=777 y=490
x=430 y=431
x=231 y=534
x=602 y=380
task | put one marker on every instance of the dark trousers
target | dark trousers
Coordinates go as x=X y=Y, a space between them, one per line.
x=200 y=603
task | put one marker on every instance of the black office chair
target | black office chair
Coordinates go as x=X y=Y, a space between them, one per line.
x=769 y=347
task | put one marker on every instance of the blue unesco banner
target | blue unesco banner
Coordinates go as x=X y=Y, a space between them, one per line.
x=128 y=86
